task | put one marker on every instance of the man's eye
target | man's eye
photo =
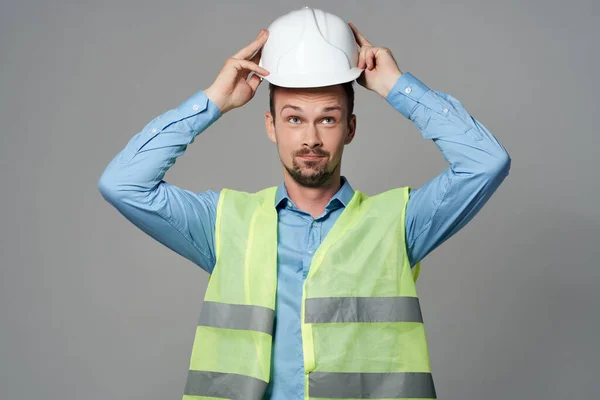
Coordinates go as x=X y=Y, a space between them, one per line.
x=332 y=119
x=290 y=118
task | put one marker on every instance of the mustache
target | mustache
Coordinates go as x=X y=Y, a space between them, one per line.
x=306 y=152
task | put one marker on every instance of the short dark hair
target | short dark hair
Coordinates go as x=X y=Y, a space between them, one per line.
x=348 y=89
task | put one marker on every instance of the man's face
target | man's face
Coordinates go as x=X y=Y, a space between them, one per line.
x=310 y=128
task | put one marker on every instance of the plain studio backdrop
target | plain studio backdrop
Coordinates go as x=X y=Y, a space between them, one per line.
x=91 y=307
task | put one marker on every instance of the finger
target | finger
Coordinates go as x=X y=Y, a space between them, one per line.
x=254 y=82
x=249 y=50
x=249 y=65
x=370 y=58
x=363 y=57
x=256 y=58
x=360 y=39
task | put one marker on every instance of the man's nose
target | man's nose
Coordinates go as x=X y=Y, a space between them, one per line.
x=311 y=137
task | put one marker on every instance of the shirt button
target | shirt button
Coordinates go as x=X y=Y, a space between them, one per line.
x=445 y=110
x=311 y=251
x=290 y=204
x=314 y=224
x=195 y=107
x=407 y=90
x=154 y=130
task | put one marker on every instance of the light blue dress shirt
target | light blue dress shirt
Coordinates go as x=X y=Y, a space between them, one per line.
x=184 y=220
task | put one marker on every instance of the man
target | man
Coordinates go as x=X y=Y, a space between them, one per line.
x=312 y=283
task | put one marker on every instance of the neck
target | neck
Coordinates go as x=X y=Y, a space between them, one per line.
x=312 y=200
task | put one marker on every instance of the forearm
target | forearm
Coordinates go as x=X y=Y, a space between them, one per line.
x=478 y=164
x=142 y=164
x=133 y=183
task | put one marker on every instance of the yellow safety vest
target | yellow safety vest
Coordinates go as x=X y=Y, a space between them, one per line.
x=362 y=331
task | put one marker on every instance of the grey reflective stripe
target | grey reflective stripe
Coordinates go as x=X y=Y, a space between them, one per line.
x=363 y=309
x=237 y=316
x=227 y=386
x=393 y=385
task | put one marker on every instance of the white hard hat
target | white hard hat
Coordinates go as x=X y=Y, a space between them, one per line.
x=310 y=48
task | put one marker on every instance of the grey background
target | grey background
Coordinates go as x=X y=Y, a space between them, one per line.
x=91 y=307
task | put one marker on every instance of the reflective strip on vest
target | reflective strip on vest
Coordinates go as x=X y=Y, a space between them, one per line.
x=362 y=309
x=226 y=386
x=237 y=316
x=369 y=385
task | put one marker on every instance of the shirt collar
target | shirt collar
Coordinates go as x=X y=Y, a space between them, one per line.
x=343 y=196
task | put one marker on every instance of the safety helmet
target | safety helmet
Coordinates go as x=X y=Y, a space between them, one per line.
x=310 y=48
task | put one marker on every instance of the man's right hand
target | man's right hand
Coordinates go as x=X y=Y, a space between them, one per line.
x=230 y=89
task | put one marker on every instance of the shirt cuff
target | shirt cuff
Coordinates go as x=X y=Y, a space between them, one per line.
x=198 y=111
x=406 y=93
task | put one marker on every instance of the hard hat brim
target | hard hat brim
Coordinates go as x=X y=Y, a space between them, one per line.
x=313 y=80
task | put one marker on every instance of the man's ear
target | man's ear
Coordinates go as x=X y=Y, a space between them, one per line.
x=351 y=129
x=270 y=126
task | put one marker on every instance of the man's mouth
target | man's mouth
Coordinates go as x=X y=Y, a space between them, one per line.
x=311 y=156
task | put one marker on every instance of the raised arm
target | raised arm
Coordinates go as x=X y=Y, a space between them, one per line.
x=478 y=162
x=133 y=181
x=478 y=165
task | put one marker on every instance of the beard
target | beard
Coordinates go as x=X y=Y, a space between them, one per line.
x=311 y=174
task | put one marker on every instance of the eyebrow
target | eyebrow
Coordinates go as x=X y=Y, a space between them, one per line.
x=324 y=109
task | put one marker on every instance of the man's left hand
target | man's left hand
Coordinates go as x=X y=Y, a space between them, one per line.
x=381 y=69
